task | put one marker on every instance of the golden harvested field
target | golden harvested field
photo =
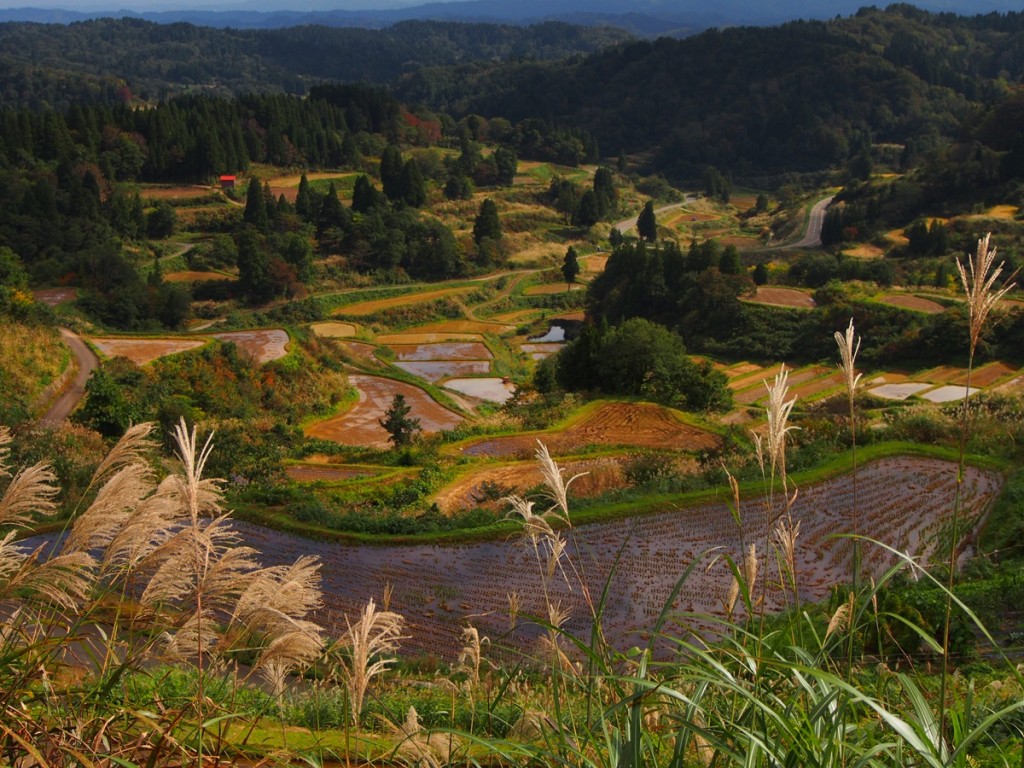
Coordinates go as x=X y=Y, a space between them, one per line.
x=334 y=330
x=638 y=424
x=363 y=308
x=907 y=301
x=782 y=297
x=359 y=425
x=142 y=351
x=518 y=316
x=742 y=242
x=865 y=251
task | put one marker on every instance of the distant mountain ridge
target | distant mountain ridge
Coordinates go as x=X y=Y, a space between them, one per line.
x=647 y=18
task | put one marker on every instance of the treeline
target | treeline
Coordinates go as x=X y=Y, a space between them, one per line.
x=691 y=294
x=194 y=138
x=55 y=66
x=754 y=101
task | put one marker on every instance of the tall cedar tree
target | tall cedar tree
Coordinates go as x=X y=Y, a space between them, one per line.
x=487 y=224
x=646 y=223
x=391 y=165
x=413 y=191
x=255 y=205
x=570 y=267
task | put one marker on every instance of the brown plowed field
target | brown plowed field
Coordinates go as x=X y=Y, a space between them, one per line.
x=142 y=351
x=263 y=346
x=603 y=474
x=783 y=297
x=463 y=326
x=916 y=303
x=196 y=277
x=987 y=375
x=426 y=338
x=311 y=473
x=359 y=426
x=637 y=424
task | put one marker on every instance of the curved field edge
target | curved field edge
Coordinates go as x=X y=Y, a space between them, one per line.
x=574 y=419
x=641 y=506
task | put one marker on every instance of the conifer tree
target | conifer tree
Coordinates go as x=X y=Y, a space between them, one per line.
x=570 y=267
x=647 y=223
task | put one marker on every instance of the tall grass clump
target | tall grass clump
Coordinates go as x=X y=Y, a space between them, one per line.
x=147 y=574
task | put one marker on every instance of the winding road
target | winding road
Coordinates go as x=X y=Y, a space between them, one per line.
x=86 y=362
x=812 y=232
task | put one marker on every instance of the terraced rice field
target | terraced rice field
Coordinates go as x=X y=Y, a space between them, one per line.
x=783 y=297
x=364 y=308
x=602 y=474
x=359 y=425
x=327 y=473
x=142 y=351
x=552 y=288
x=334 y=330
x=442 y=351
x=263 y=346
x=463 y=326
x=190 y=276
x=917 y=303
x=637 y=424
x=902 y=502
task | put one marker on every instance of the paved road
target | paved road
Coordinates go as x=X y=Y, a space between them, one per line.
x=87 y=363
x=627 y=224
x=812 y=235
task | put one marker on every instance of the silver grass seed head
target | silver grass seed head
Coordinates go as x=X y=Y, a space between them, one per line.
x=979 y=282
x=849 y=346
x=778 y=411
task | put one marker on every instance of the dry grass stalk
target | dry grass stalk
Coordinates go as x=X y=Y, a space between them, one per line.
x=979 y=281
x=840 y=621
x=513 y=609
x=786 y=533
x=556 y=488
x=778 y=411
x=419 y=748
x=750 y=567
x=132 y=448
x=849 y=346
x=31 y=490
x=371 y=639
x=470 y=657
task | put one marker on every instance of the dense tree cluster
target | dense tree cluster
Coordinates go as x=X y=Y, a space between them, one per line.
x=748 y=100
x=111 y=60
x=637 y=358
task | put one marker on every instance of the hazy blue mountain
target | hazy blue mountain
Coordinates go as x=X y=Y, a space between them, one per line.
x=641 y=17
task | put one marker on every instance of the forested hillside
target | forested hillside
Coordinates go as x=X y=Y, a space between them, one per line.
x=802 y=96
x=54 y=65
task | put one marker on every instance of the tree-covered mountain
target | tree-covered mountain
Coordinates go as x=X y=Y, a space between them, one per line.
x=56 y=65
x=801 y=96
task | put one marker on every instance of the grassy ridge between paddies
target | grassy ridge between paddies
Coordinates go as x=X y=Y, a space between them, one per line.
x=839 y=464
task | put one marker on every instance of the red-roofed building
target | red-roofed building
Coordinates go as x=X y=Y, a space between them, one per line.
x=227 y=182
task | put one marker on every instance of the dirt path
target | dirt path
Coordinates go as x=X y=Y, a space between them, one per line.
x=86 y=362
